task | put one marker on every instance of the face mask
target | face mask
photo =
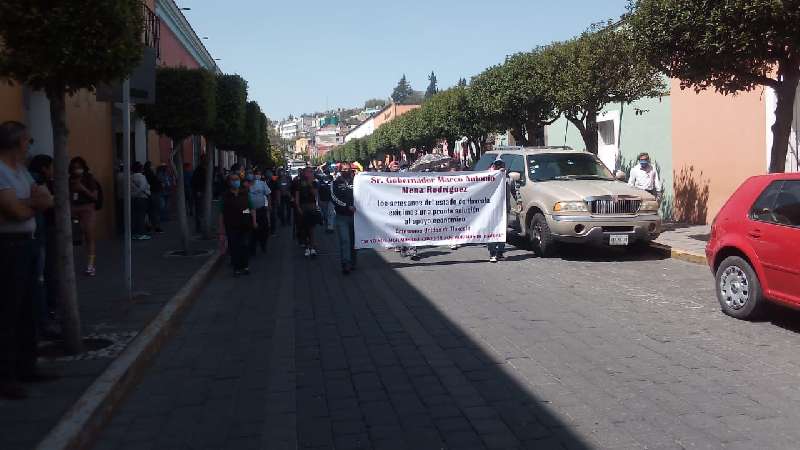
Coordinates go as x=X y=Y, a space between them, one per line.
x=644 y=163
x=236 y=184
x=347 y=174
x=78 y=172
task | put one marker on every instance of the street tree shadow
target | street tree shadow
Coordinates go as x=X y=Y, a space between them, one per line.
x=691 y=196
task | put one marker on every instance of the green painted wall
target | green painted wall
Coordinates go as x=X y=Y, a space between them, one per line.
x=646 y=126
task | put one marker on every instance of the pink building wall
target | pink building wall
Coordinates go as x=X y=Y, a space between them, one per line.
x=718 y=142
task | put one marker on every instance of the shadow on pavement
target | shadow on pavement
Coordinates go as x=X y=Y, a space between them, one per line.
x=608 y=254
x=381 y=361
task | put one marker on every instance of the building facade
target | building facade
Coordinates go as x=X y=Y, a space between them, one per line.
x=95 y=127
x=704 y=144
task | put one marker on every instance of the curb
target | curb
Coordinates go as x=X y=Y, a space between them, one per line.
x=84 y=421
x=679 y=254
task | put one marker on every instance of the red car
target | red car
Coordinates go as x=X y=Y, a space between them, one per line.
x=754 y=249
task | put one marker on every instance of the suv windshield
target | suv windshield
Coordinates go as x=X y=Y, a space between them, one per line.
x=566 y=166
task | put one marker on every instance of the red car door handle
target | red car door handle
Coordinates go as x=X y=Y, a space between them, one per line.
x=755 y=233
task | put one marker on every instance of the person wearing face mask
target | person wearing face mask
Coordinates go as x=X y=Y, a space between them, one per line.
x=645 y=177
x=259 y=197
x=20 y=200
x=83 y=193
x=344 y=203
x=237 y=221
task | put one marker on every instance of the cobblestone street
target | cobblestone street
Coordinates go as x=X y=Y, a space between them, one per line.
x=597 y=349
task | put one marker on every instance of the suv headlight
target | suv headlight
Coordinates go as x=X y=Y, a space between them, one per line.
x=649 y=206
x=570 y=207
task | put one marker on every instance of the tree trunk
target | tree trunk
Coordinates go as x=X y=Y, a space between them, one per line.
x=588 y=130
x=518 y=133
x=177 y=149
x=590 y=134
x=782 y=128
x=208 y=190
x=65 y=263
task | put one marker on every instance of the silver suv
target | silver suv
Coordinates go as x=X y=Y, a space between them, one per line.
x=557 y=194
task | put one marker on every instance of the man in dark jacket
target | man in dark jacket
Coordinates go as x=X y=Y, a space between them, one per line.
x=342 y=198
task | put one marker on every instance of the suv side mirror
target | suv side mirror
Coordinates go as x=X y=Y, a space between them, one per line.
x=620 y=175
x=515 y=176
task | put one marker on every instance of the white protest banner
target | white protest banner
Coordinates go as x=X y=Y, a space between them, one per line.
x=429 y=208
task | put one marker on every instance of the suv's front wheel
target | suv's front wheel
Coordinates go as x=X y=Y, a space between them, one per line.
x=540 y=236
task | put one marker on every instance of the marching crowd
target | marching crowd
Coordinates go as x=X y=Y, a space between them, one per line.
x=253 y=204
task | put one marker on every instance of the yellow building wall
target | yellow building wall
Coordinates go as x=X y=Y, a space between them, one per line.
x=11 y=104
x=90 y=137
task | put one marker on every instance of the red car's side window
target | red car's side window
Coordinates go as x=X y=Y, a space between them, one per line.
x=763 y=210
x=787 y=205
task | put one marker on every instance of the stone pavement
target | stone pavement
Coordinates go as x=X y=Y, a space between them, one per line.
x=105 y=314
x=597 y=349
x=687 y=238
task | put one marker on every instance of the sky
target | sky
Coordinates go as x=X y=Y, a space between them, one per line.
x=307 y=56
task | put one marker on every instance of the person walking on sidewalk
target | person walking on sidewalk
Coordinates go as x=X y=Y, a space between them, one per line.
x=84 y=193
x=285 y=195
x=497 y=249
x=236 y=223
x=307 y=214
x=259 y=197
x=140 y=202
x=328 y=214
x=156 y=188
x=343 y=201
x=20 y=200
x=645 y=177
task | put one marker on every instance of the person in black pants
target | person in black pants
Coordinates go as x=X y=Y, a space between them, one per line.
x=237 y=221
x=285 y=190
x=20 y=200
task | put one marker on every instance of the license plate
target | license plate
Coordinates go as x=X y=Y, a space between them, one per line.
x=618 y=239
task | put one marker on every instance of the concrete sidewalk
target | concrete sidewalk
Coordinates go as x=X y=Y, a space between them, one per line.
x=686 y=242
x=106 y=315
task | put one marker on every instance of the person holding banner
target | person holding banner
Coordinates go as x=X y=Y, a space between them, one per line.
x=497 y=249
x=342 y=197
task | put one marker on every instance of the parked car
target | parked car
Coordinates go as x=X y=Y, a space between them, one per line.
x=754 y=248
x=563 y=195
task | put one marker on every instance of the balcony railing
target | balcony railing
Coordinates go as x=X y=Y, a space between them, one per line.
x=152 y=29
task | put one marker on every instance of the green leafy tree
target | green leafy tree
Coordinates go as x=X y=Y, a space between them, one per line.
x=374 y=103
x=402 y=92
x=513 y=96
x=228 y=131
x=185 y=106
x=601 y=66
x=728 y=45
x=60 y=49
x=432 y=86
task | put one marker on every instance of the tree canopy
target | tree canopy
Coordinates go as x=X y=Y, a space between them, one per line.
x=185 y=103
x=432 y=86
x=728 y=45
x=67 y=46
x=403 y=91
x=601 y=66
x=512 y=96
x=231 y=101
x=374 y=103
